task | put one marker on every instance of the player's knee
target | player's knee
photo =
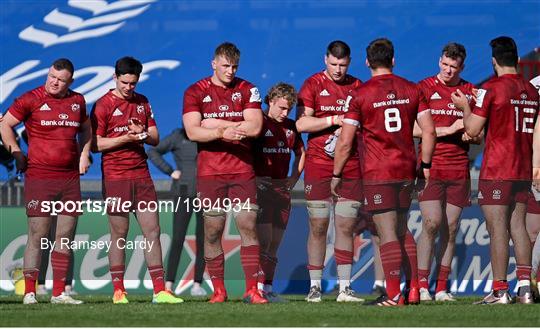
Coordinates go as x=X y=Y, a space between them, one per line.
x=318 y=208
x=347 y=208
x=214 y=213
x=250 y=210
x=431 y=225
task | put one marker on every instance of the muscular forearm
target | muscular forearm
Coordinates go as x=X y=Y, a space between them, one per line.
x=104 y=144
x=203 y=135
x=310 y=124
x=252 y=129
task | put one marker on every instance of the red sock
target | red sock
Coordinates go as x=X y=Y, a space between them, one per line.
x=268 y=265
x=216 y=270
x=442 y=278
x=391 y=262
x=423 y=279
x=30 y=278
x=249 y=256
x=410 y=261
x=157 y=275
x=523 y=272
x=60 y=265
x=500 y=285
x=117 y=277
x=343 y=257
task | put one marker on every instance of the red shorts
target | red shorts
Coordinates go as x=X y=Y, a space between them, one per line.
x=275 y=206
x=390 y=196
x=227 y=189
x=317 y=179
x=455 y=190
x=501 y=192
x=533 y=206
x=124 y=196
x=40 y=193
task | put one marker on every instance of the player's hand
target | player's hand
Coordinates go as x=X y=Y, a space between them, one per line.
x=335 y=183
x=536 y=179
x=84 y=164
x=234 y=133
x=135 y=125
x=457 y=126
x=291 y=182
x=466 y=138
x=21 y=163
x=136 y=137
x=339 y=120
x=176 y=174
x=210 y=123
x=459 y=99
x=263 y=182
x=474 y=93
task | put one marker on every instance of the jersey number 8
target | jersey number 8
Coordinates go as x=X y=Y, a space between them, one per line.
x=392 y=120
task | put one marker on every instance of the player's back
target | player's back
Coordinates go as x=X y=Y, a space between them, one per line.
x=510 y=105
x=388 y=107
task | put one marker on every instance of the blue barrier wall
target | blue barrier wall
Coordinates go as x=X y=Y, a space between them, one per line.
x=280 y=40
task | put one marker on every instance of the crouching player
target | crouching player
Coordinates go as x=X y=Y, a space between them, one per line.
x=273 y=149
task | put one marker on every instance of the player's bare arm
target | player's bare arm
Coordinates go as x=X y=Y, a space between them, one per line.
x=253 y=121
x=10 y=141
x=212 y=123
x=342 y=153
x=474 y=124
x=85 y=142
x=196 y=133
x=308 y=123
x=298 y=166
x=103 y=144
x=536 y=156
x=153 y=136
x=456 y=127
x=429 y=138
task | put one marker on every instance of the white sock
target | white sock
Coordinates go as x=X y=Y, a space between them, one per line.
x=536 y=256
x=378 y=283
x=316 y=277
x=344 y=276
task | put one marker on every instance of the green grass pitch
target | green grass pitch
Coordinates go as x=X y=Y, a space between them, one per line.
x=99 y=311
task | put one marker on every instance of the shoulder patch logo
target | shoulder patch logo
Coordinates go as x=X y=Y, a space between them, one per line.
x=435 y=96
x=255 y=95
x=480 y=94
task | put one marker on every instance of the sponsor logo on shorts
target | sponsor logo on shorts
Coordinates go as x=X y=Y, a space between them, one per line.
x=308 y=188
x=497 y=194
x=377 y=199
x=33 y=204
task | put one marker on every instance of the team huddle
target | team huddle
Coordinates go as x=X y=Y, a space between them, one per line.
x=360 y=168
